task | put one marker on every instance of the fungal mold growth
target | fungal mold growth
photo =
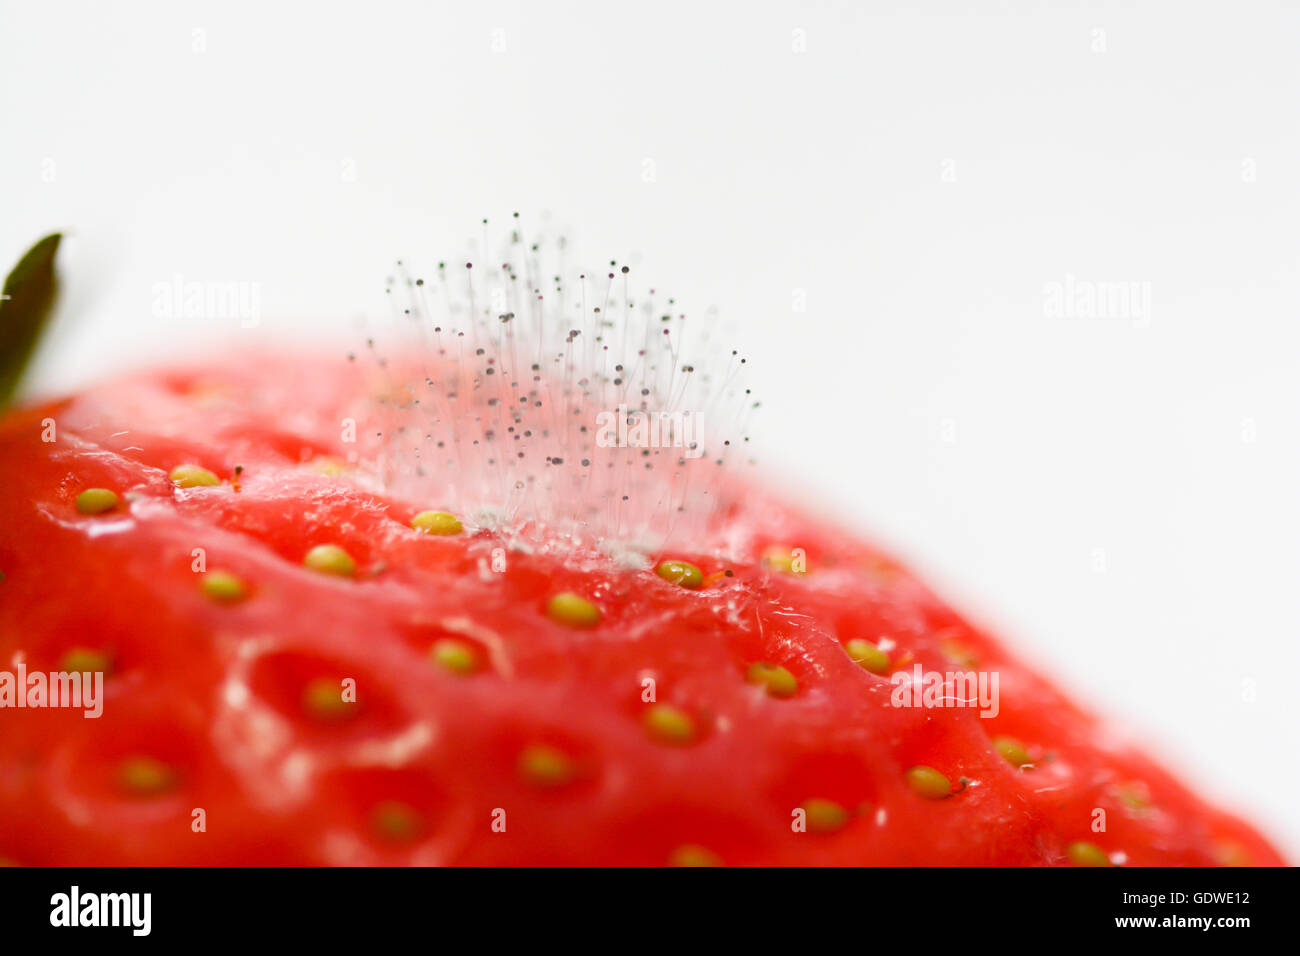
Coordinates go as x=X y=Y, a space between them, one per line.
x=528 y=394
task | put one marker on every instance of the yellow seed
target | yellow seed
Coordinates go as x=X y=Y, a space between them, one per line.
x=778 y=681
x=669 y=725
x=80 y=660
x=545 y=766
x=928 y=782
x=460 y=657
x=1232 y=853
x=223 y=587
x=824 y=816
x=1086 y=854
x=323 y=699
x=1012 y=750
x=329 y=467
x=692 y=854
x=867 y=656
x=573 y=610
x=396 y=821
x=785 y=560
x=145 y=776
x=436 y=522
x=681 y=573
x=958 y=652
x=1134 y=795
x=330 y=559
x=192 y=476
x=95 y=501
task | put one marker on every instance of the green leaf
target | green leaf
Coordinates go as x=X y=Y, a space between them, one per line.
x=25 y=307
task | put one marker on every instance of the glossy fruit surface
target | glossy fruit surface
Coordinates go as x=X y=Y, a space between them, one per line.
x=301 y=669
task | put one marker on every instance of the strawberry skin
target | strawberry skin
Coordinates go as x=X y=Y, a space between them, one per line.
x=625 y=724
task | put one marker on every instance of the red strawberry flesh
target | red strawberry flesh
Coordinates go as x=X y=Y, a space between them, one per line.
x=485 y=730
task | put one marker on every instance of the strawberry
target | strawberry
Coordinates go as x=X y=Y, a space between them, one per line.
x=304 y=667
x=482 y=604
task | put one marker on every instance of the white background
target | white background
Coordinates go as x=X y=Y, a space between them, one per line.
x=921 y=175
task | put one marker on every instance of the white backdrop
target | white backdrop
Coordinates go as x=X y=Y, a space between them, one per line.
x=1114 y=488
